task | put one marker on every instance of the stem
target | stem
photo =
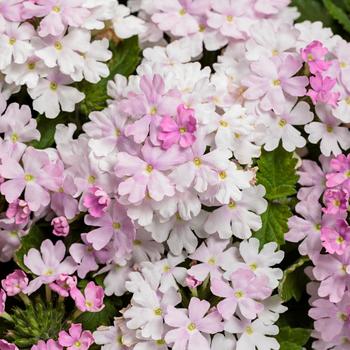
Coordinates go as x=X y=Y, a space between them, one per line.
x=25 y=299
x=60 y=299
x=194 y=292
x=76 y=314
x=7 y=317
x=48 y=293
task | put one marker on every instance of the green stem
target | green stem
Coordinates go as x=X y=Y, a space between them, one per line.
x=76 y=314
x=7 y=317
x=48 y=293
x=194 y=292
x=25 y=299
x=60 y=299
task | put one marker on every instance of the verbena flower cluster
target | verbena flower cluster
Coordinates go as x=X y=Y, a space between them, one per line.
x=154 y=202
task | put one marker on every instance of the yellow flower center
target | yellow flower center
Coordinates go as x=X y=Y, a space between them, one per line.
x=89 y=303
x=117 y=132
x=224 y=123
x=91 y=179
x=137 y=242
x=28 y=177
x=329 y=128
x=212 y=261
x=49 y=272
x=160 y=342
x=117 y=225
x=14 y=137
x=153 y=110
x=149 y=168
x=282 y=123
x=253 y=266
x=275 y=52
x=182 y=12
x=31 y=66
x=201 y=28
x=340 y=240
x=191 y=327
x=343 y=65
x=166 y=268
x=158 y=312
x=310 y=57
x=239 y=294
x=56 y=9
x=53 y=86
x=249 y=330
x=77 y=344
x=232 y=205
x=58 y=46
x=182 y=130
x=12 y=41
x=276 y=82
x=222 y=175
x=197 y=162
x=229 y=19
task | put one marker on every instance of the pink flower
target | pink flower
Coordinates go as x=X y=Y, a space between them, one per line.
x=114 y=226
x=76 y=338
x=192 y=282
x=336 y=239
x=4 y=345
x=60 y=226
x=49 y=345
x=270 y=7
x=91 y=300
x=145 y=175
x=339 y=172
x=97 y=201
x=58 y=14
x=246 y=289
x=272 y=79
x=336 y=201
x=19 y=211
x=49 y=264
x=148 y=107
x=2 y=301
x=64 y=284
x=314 y=54
x=190 y=325
x=321 y=90
x=12 y=11
x=32 y=178
x=179 y=131
x=15 y=282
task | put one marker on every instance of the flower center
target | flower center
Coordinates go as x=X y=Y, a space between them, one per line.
x=14 y=137
x=160 y=342
x=149 y=168
x=91 y=179
x=318 y=227
x=58 y=46
x=117 y=226
x=239 y=294
x=253 y=266
x=182 y=12
x=77 y=344
x=329 y=128
x=56 y=9
x=158 y=312
x=222 y=175
x=343 y=65
x=137 y=242
x=212 y=261
x=191 y=327
x=201 y=28
x=49 y=272
x=229 y=19
x=153 y=110
x=53 y=86
x=249 y=330
x=340 y=240
x=276 y=82
x=197 y=162
x=31 y=66
x=347 y=100
x=232 y=205
x=275 y=52
x=117 y=132
x=89 y=303
x=224 y=123
x=310 y=57
x=282 y=123
x=182 y=130
x=12 y=41
x=343 y=317
x=28 y=177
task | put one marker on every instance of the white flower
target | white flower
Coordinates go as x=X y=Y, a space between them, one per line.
x=114 y=281
x=272 y=309
x=223 y=342
x=51 y=93
x=125 y=25
x=100 y=11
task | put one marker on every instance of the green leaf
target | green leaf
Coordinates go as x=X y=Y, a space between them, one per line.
x=32 y=240
x=92 y=320
x=293 y=338
x=294 y=280
x=312 y=10
x=338 y=14
x=274 y=224
x=126 y=56
x=277 y=173
x=47 y=128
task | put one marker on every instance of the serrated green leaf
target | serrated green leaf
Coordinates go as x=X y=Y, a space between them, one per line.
x=338 y=14
x=126 y=56
x=277 y=173
x=294 y=280
x=293 y=338
x=312 y=10
x=92 y=320
x=274 y=224
x=32 y=240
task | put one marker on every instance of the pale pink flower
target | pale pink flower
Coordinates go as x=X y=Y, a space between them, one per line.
x=12 y=10
x=48 y=345
x=91 y=300
x=64 y=284
x=76 y=339
x=114 y=226
x=15 y=283
x=270 y=7
x=4 y=345
x=314 y=55
x=179 y=131
x=244 y=293
x=97 y=201
x=19 y=211
x=272 y=79
x=48 y=264
x=14 y=43
x=321 y=90
x=336 y=239
x=192 y=282
x=339 y=172
x=189 y=325
x=58 y=14
x=2 y=301
x=32 y=178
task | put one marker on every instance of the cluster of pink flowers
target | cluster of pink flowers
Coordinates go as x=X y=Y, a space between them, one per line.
x=325 y=233
x=59 y=50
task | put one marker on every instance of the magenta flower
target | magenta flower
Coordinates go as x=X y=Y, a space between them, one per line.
x=48 y=264
x=91 y=300
x=97 y=201
x=246 y=289
x=314 y=55
x=32 y=178
x=76 y=339
x=64 y=284
x=340 y=172
x=321 y=90
x=2 y=301
x=179 y=131
x=60 y=226
x=336 y=201
x=4 y=345
x=114 y=226
x=19 y=211
x=273 y=80
x=15 y=283
x=190 y=325
x=49 y=345
x=336 y=239
x=58 y=14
